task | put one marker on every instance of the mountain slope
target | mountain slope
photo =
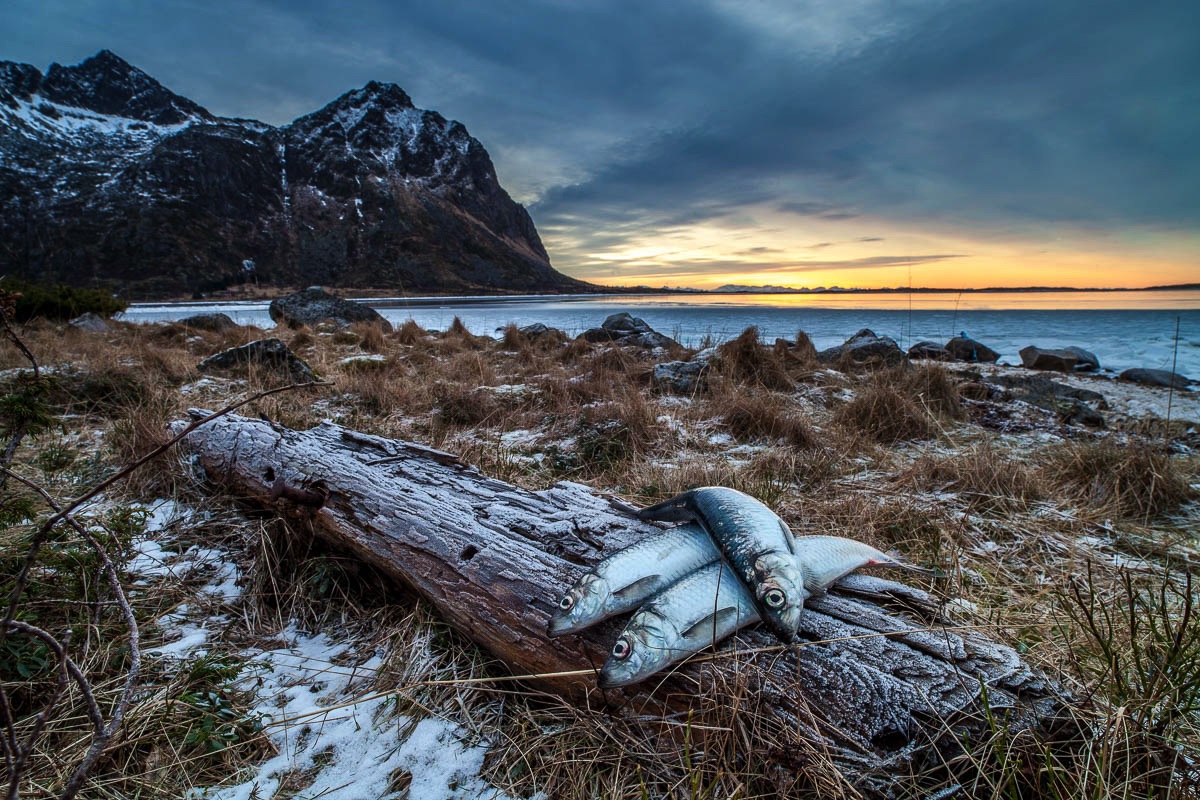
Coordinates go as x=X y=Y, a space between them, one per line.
x=107 y=176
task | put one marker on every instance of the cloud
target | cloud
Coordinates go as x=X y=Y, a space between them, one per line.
x=620 y=123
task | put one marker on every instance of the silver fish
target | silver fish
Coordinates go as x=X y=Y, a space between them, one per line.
x=755 y=542
x=623 y=580
x=697 y=611
x=824 y=559
x=710 y=604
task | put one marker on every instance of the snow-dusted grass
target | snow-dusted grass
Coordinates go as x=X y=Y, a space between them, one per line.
x=335 y=685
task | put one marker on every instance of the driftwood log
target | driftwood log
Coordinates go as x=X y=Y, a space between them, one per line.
x=879 y=682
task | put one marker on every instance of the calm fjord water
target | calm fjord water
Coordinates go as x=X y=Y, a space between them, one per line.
x=1124 y=329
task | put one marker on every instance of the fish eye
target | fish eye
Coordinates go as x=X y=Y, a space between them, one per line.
x=774 y=598
x=621 y=649
x=566 y=603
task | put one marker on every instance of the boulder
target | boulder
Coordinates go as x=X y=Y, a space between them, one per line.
x=1155 y=377
x=964 y=348
x=1073 y=412
x=864 y=346
x=271 y=354
x=1037 y=386
x=1033 y=357
x=215 y=323
x=929 y=350
x=315 y=305
x=681 y=377
x=90 y=322
x=1085 y=361
x=626 y=329
x=543 y=334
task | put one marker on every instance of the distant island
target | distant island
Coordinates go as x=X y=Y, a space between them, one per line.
x=737 y=288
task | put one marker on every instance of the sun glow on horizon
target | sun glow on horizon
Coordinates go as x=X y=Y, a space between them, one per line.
x=772 y=248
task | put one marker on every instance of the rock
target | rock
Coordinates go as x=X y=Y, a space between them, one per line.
x=314 y=305
x=543 y=334
x=929 y=350
x=1074 y=412
x=681 y=377
x=215 y=323
x=1085 y=361
x=1038 y=386
x=626 y=329
x=975 y=390
x=364 y=363
x=270 y=353
x=964 y=348
x=1155 y=377
x=864 y=346
x=1058 y=360
x=90 y=322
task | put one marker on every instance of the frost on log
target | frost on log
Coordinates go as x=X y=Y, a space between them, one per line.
x=494 y=559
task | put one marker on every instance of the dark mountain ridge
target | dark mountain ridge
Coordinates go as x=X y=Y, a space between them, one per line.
x=107 y=177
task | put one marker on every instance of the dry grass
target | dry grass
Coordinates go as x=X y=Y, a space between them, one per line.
x=745 y=361
x=999 y=517
x=986 y=476
x=884 y=414
x=1132 y=479
x=769 y=416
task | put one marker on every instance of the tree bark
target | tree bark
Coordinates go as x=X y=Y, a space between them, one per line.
x=878 y=679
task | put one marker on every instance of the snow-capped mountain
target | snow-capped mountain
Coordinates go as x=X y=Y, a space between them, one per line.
x=106 y=176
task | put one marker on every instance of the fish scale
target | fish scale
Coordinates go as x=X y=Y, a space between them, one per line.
x=622 y=581
x=712 y=603
x=755 y=541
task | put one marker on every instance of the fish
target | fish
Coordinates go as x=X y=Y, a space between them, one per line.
x=710 y=604
x=825 y=559
x=756 y=543
x=623 y=580
x=691 y=614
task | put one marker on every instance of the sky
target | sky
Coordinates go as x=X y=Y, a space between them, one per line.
x=856 y=143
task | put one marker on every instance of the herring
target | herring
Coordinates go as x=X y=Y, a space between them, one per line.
x=754 y=540
x=710 y=604
x=693 y=613
x=623 y=580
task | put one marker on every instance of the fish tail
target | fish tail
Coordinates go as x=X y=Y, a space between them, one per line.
x=675 y=509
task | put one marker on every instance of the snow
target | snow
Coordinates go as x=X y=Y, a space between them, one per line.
x=353 y=748
x=320 y=707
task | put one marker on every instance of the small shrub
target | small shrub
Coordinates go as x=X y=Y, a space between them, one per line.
x=409 y=333
x=59 y=302
x=371 y=336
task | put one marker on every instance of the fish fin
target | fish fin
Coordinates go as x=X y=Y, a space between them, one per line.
x=676 y=509
x=702 y=631
x=788 y=536
x=639 y=589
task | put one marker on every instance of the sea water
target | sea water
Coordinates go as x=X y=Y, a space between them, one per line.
x=1123 y=329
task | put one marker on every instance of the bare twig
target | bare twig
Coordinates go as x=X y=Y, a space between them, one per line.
x=44 y=531
x=103 y=733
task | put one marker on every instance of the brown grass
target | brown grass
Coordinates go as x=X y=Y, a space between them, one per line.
x=744 y=360
x=825 y=478
x=1134 y=479
x=986 y=476
x=768 y=416
x=884 y=413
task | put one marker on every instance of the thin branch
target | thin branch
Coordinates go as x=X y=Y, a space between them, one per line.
x=17 y=340
x=40 y=537
x=104 y=732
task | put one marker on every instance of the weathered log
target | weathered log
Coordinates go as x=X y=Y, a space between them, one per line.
x=878 y=677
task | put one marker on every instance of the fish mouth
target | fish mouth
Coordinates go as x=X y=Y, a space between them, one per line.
x=559 y=626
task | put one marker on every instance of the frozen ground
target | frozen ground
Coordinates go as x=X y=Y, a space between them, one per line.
x=325 y=716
